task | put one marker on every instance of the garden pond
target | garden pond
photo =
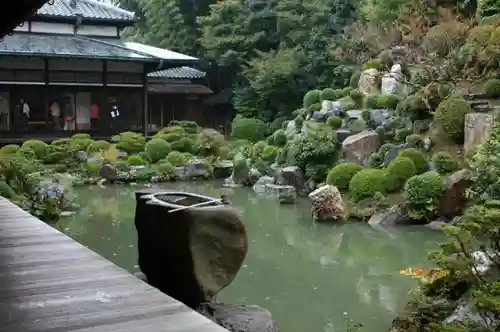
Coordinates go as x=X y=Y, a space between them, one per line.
x=312 y=277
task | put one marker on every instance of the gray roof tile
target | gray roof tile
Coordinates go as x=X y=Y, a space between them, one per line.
x=64 y=45
x=89 y=9
x=178 y=73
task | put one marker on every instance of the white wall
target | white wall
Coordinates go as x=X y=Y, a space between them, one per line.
x=60 y=28
x=68 y=29
x=95 y=30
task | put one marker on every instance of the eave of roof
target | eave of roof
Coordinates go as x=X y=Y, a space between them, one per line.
x=178 y=73
x=86 y=9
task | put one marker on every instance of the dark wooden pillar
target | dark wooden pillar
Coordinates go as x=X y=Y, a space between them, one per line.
x=145 y=110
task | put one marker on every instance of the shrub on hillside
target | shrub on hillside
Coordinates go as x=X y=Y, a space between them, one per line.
x=354 y=80
x=450 y=118
x=366 y=183
x=480 y=35
x=183 y=145
x=422 y=193
x=398 y=171
x=167 y=169
x=177 y=158
x=389 y=101
x=371 y=101
x=39 y=148
x=310 y=98
x=375 y=160
x=413 y=107
x=414 y=140
x=299 y=121
x=135 y=160
x=335 y=122
x=419 y=77
x=444 y=162
x=357 y=97
x=371 y=64
x=328 y=94
x=384 y=148
x=10 y=149
x=189 y=127
x=445 y=37
x=269 y=154
x=81 y=136
x=434 y=94
x=341 y=175
x=417 y=157
x=212 y=143
x=492 y=88
x=130 y=142
x=157 y=149
x=250 y=129
x=98 y=146
x=314 y=107
x=279 y=138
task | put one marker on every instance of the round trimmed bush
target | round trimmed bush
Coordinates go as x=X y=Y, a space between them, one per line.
x=166 y=168
x=414 y=140
x=366 y=183
x=335 y=122
x=10 y=149
x=250 y=129
x=131 y=142
x=135 y=160
x=182 y=145
x=341 y=174
x=389 y=101
x=314 y=107
x=81 y=136
x=384 y=148
x=412 y=107
x=357 y=97
x=299 y=121
x=370 y=101
x=98 y=146
x=398 y=171
x=38 y=147
x=444 y=163
x=417 y=157
x=375 y=160
x=157 y=149
x=311 y=97
x=450 y=118
x=328 y=94
x=176 y=158
x=492 y=88
x=269 y=153
x=354 y=80
x=279 y=138
x=423 y=192
x=6 y=190
x=371 y=64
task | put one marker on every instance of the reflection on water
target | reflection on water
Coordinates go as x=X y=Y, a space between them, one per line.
x=311 y=277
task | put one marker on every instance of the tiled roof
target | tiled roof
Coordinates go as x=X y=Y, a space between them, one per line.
x=64 y=45
x=88 y=9
x=178 y=73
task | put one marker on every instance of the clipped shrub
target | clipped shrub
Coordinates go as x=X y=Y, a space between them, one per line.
x=398 y=171
x=354 y=80
x=413 y=107
x=366 y=183
x=371 y=101
x=434 y=94
x=401 y=134
x=423 y=192
x=327 y=94
x=183 y=145
x=384 y=148
x=81 y=136
x=6 y=190
x=190 y=127
x=98 y=146
x=419 y=77
x=492 y=88
x=311 y=97
x=371 y=64
x=444 y=163
x=279 y=138
x=39 y=148
x=314 y=107
x=176 y=158
x=212 y=143
x=346 y=91
x=299 y=121
x=480 y=35
x=421 y=126
x=366 y=115
x=417 y=157
x=269 y=154
x=341 y=175
x=135 y=160
x=414 y=140
x=357 y=97
x=335 y=122
x=450 y=118
x=445 y=37
x=250 y=129
x=389 y=101
x=10 y=149
x=131 y=142
x=375 y=160
x=157 y=149
x=167 y=169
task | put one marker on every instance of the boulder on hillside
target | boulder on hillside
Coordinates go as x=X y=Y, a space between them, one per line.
x=453 y=201
x=368 y=82
x=327 y=204
x=478 y=127
x=292 y=176
x=190 y=254
x=358 y=147
x=239 y=318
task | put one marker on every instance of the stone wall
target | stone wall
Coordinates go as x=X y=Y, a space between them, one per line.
x=478 y=128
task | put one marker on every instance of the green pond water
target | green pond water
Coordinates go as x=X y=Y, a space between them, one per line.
x=312 y=277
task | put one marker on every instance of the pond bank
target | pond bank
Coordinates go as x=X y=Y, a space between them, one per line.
x=317 y=271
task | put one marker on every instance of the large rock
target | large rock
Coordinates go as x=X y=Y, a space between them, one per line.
x=478 y=128
x=292 y=176
x=223 y=169
x=368 y=82
x=291 y=128
x=330 y=108
x=454 y=198
x=284 y=194
x=108 y=172
x=358 y=147
x=190 y=254
x=393 y=217
x=239 y=318
x=327 y=204
x=260 y=186
x=393 y=82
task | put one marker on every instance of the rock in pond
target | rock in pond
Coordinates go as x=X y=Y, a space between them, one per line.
x=223 y=169
x=284 y=194
x=292 y=176
x=454 y=199
x=394 y=216
x=328 y=204
x=189 y=254
x=239 y=318
x=358 y=147
x=108 y=172
x=260 y=186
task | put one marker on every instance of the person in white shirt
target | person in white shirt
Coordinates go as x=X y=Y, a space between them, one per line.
x=25 y=113
x=55 y=112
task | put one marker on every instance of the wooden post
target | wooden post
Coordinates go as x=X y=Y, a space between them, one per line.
x=146 y=113
x=161 y=112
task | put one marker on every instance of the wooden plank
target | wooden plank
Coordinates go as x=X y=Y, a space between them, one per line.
x=50 y=283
